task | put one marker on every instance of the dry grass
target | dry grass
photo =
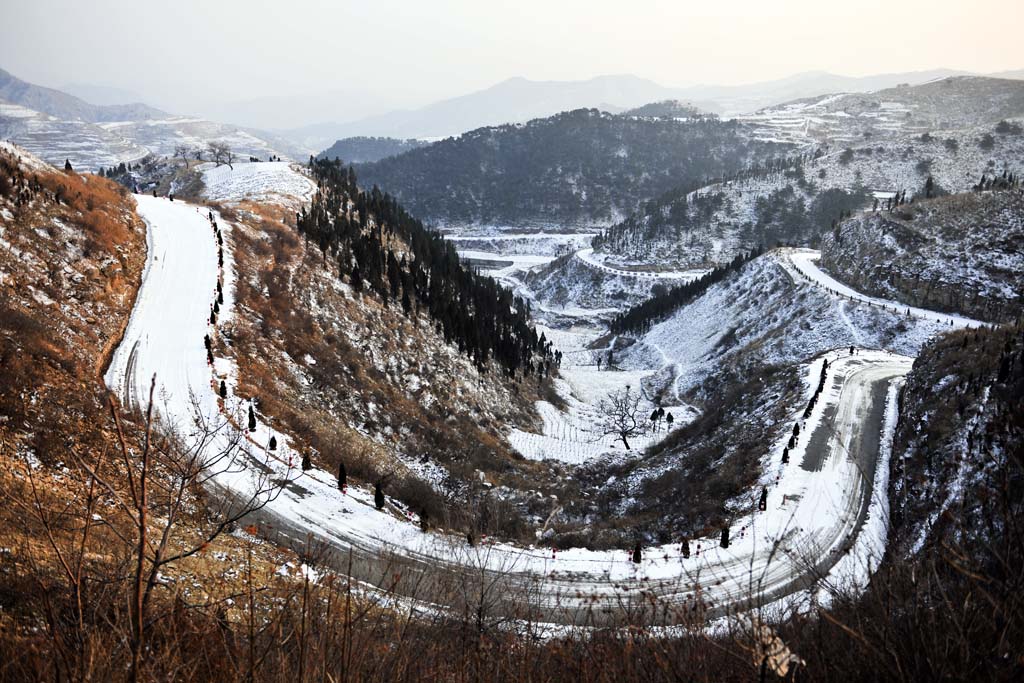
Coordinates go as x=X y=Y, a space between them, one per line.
x=336 y=368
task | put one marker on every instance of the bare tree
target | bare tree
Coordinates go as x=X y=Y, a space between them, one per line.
x=221 y=153
x=620 y=415
x=183 y=151
x=166 y=475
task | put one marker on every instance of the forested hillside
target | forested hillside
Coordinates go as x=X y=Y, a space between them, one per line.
x=796 y=199
x=962 y=253
x=362 y=149
x=379 y=246
x=669 y=109
x=582 y=167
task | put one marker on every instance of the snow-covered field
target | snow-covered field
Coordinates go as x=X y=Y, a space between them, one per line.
x=92 y=145
x=275 y=181
x=575 y=435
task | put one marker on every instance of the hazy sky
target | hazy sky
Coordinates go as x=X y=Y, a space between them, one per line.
x=191 y=55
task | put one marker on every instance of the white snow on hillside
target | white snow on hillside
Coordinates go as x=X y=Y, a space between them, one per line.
x=769 y=313
x=518 y=243
x=90 y=146
x=955 y=159
x=87 y=145
x=262 y=180
x=805 y=261
x=26 y=159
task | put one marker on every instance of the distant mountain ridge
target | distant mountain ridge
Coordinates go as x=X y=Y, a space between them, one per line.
x=514 y=100
x=56 y=127
x=518 y=99
x=68 y=107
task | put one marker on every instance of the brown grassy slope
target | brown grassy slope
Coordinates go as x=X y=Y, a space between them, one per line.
x=72 y=251
x=72 y=257
x=356 y=380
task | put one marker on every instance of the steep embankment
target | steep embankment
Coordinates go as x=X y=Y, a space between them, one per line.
x=958 y=475
x=71 y=256
x=356 y=375
x=961 y=254
x=577 y=282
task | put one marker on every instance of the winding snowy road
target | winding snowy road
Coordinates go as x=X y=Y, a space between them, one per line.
x=819 y=505
x=675 y=276
x=802 y=264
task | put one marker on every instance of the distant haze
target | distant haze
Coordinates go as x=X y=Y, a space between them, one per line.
x=289 y=64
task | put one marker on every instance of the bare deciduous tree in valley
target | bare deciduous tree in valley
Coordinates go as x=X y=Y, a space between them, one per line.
x=620 y=415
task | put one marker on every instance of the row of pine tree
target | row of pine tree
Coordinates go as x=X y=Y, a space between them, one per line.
x=379 y=247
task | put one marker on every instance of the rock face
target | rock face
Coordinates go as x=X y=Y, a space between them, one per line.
x=961 y=254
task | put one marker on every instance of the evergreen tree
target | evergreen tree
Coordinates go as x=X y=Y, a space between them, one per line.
x=252 y=419
x=67 y=165
x=273 y=444
x=378 y=496
x=685 y=548
x=307 y=464
x=356 y=279
x=725 y=537
x=342 y=477
x=637 y=553
x=223 y=389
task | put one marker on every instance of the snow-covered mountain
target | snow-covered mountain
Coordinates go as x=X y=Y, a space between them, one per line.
x=520 y=99
x=56 y=126
x=863 y=145
x=61 y=105
x=949 y=103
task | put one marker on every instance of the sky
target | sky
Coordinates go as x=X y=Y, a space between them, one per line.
x=359 y=58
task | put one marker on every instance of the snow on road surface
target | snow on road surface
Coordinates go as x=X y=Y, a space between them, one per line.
x=676 y=276
x=801 y=262
x=171 y=311
x=813 y=509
